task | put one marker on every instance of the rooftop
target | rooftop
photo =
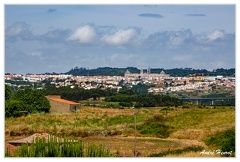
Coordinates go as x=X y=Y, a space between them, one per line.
x=64 y=101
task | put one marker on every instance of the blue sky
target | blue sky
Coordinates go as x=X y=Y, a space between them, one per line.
x=56 y=38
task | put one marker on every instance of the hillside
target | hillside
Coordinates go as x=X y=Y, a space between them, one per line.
x=110 y=71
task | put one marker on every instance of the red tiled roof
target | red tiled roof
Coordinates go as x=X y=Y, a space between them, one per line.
x=64 y=101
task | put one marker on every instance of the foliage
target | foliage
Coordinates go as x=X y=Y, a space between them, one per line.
x=178 y=151
x=8 y=92
x=76 y=94
x=137 y=105
x=32 y=101
x=102 y=71
x=12 y=108
x=225 y=140
x=55 y=148
x=140 y=88
x=173 y=72
x=146 y=100
x=126 y=104
x=155 y=126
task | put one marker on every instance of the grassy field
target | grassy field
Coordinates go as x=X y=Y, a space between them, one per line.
x=187 y=127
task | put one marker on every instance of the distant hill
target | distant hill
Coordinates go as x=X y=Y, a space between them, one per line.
x=109 y=71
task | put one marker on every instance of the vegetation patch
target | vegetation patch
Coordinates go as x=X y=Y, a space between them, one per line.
x=225 y=141
x=178 y=151
x=155 y=126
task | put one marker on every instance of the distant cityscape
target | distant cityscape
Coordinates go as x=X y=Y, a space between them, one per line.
x=161 y=82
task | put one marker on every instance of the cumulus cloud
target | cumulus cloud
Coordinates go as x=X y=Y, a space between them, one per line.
x=216 y=34
x=18 y=30
x=169 y=39
x=83 y=34
x=185 y=39
x=213 y=36
x=150 y=15
x=120 y=37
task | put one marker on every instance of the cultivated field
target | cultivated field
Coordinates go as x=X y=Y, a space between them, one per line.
x=186 y=127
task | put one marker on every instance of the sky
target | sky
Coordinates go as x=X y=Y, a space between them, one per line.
x=56 y=38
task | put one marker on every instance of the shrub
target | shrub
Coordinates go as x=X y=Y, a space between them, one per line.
x=126 y=104
x=155 y=126
x=13 y=108
x=137 y=105
x=225 y=140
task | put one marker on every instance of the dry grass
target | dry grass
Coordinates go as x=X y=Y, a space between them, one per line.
x=124 y=146
x=189 y=127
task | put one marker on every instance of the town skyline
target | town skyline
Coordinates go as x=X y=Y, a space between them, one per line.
x=55 y=38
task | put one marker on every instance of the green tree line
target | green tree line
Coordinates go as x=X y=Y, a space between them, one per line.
x=173 y=72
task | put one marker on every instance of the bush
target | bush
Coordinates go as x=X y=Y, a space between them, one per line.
x=157 y=129
x=13 y=107
x=137 y=105
x=225 y=140
x=155 y=126
x=126 y=104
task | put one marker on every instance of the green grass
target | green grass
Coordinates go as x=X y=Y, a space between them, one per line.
x=203 y=118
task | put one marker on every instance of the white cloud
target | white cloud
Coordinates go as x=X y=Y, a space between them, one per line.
x=216 y=34
x=211 y=36
x=84 y=34
x=120 y=37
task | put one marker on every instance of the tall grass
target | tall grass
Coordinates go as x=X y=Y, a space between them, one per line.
x=53 y=147
x=178 y=151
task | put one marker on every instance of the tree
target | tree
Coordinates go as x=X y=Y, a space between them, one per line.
x=148 y=102
x=33 y=100
x=8 y=93
x=12 y=108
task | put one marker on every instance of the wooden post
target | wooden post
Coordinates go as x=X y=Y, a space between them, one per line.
x=135 y=134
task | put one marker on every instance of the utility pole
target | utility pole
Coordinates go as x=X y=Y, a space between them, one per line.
x=106 y=135
x=135 y=132
x=106 y=141
x=135 y=140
